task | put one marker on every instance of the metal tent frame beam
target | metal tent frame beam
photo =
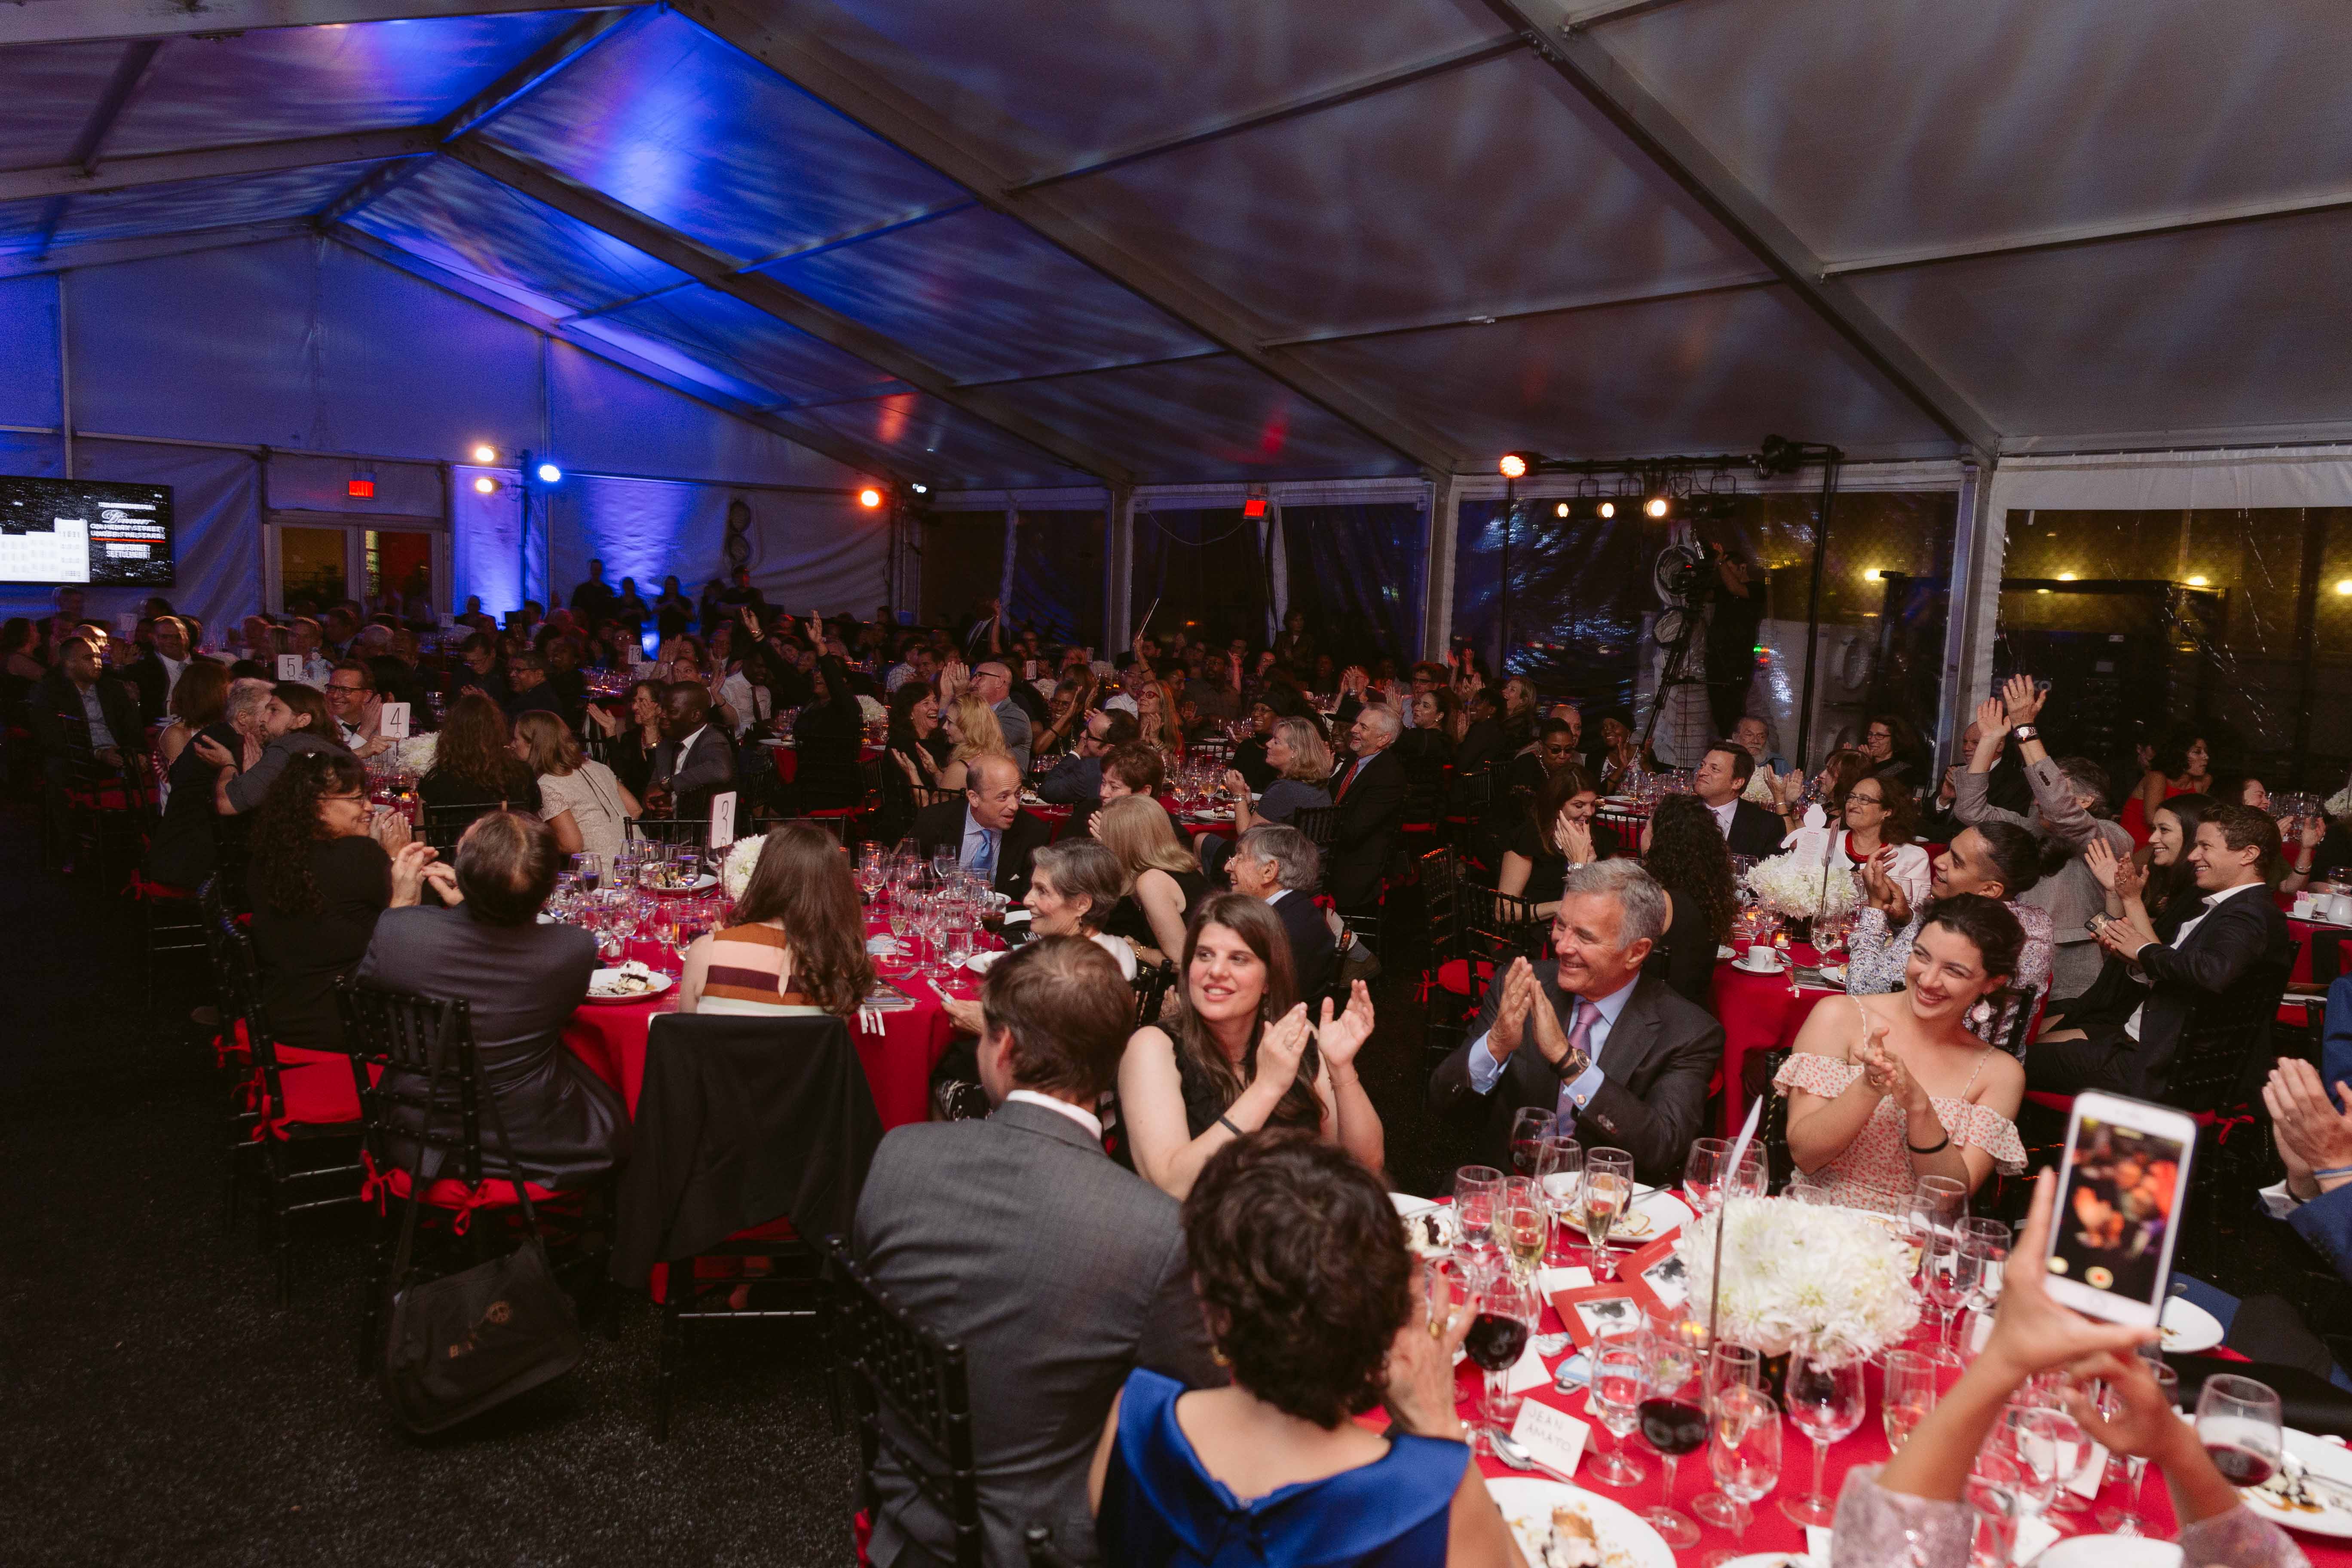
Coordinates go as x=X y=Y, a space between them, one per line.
x=770 y=298
x=1645 y=121
x=122 y=21
x=251 y=158
x=916 y=129
x=2104 y=233
x=150 y=247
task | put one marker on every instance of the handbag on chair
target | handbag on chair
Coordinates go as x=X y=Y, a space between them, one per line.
x=471 y=1340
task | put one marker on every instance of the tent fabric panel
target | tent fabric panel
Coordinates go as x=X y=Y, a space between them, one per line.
x=1202 y=419
x=912 y=433
x=1199 y=571
x=721 y=330
x=279 y=83
x=1481 y=192
x=1043 y=83
x=601 y=416
x=219 y=202
x=984 y=299
x=1577 y=594
x=28 y=352
x=666 y=120
x=2203 y=331
x=1356 y=570
x=463 y=220
x=1057 y=575
x=1713 y=372
x=50 y=89
x=683 y=371
x=1872 y=129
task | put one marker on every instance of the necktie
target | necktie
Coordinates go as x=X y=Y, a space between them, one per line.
x=985 y=860
x=1353 y=769
x=1582 y=1015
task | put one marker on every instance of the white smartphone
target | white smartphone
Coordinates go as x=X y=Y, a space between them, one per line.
x=2119 y=1192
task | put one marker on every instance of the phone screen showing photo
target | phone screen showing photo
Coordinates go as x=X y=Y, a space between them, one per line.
x=2113 y=1219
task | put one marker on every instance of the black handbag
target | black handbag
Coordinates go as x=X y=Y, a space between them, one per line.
x=471 y=1340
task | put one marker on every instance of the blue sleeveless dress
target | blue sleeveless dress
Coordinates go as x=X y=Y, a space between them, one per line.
x=1162 y=1510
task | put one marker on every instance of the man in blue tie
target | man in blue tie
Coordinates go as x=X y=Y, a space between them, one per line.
x=987 y=829
x=1623 y=1060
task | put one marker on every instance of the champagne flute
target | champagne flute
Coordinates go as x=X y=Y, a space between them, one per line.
x=2125 y=1520
x=1910 y=1392
x=1477 y=1190
x=1613 y=1397
x=1731 y=1369
x=1674 y=1414
x=1702 y=1171
x=1989 y=1239
x=1521 y=1225
x=1607 y=1192
x=1825 y=1402
x=2238 y=1421
x=1744 y=1453
x=1530 y=1128
x=1559 y=1173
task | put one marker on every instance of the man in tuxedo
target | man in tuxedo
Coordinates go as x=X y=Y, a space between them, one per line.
x=1018 y=1238
x=694 y=760
x=156 y=672
x=2230 y=957
x=1620 y=1058
x=1722 y=777
x=1281 y=865
x=1369 y=791
x=987 y=829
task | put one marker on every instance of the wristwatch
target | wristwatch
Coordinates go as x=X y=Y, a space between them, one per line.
x=2026 y=732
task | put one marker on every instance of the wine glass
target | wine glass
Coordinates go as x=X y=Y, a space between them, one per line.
x=1559 y=1173
x=1938 y=1204
x=1989 y=1239
x=1995 y=1487
x=1613 y=1397
x=1673 y=1413
x=2125 y=1520
x=1949 y=1273
x=1911 y=1391
x=2238 y=1422
x=1743 y=1450
x=1703 y=1172
x=1607 y=1192
x=1476 y=1189
x=1522 y=1224
x=1508 y=1311
x=2049 y=1446
x=590 y=870
x=1730 y=1369
x=1530 y=1128
x=1825 y=1402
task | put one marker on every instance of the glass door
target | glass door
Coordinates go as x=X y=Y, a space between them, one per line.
x=400 y=572
x=311 y=568
x=315 y=560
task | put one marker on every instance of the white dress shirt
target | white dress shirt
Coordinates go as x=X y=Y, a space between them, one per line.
x=1077 y=1113
x=1722 y=814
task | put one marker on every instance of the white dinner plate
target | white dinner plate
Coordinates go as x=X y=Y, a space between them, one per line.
x=2187 y=1327
x=981 y=963
x=2109 y=1552
x=1406 y=1203
x=659 y=983
x=701 y=884
x=1833 y=972
x=1664 y=1212
x=1772 y=1560
x=1626 y=1538
x=2325 y=1515
x=1724 y=955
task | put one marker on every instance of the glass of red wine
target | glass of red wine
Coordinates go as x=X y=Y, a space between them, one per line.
x=1508 y=1309
x=2238 y=1421
x=1530 y=1128
x=1673 y=1415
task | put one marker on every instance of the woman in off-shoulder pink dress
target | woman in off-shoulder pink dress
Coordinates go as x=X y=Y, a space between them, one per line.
x=1885 y=1089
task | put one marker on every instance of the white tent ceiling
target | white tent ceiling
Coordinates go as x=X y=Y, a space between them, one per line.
x=1029 y=243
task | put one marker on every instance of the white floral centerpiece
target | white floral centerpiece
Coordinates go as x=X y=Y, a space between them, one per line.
x=417 y=752
x=1833 y=1278
x=1796 y=886
x=871 y=711
x=742 y=856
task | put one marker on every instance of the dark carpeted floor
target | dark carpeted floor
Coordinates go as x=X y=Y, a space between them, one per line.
x=157 y=1404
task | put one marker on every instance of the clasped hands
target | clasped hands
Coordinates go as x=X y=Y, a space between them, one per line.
x=2313 y=1135
x=1524 y=1009
x=1882 y=1070
x=1282 y=1047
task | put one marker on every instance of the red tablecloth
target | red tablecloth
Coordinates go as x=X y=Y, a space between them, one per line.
x=611 y=1039
x=1760 y=1012
x=1058 y=816
x=788 y=759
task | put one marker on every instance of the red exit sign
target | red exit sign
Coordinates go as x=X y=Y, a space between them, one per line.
x=364 y=488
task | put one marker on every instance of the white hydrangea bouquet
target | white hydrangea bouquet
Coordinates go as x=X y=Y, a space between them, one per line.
x=742 y=858
x=1796 y=886
x=1836 y=1279
x=871 y=711
x=417 y=752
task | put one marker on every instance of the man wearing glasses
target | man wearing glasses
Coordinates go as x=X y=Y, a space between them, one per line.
x=352 y=702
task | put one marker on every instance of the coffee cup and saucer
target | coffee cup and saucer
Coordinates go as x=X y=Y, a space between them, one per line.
x=1758 y=960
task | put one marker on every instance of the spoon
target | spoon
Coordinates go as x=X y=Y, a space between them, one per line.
x=1508 y=1449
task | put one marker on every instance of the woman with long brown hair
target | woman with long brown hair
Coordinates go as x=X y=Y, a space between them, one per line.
x=1238 y=1052
x=472 y=764
x=798 y=943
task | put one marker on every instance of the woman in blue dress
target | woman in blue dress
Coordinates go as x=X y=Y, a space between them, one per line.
x=1312 y=1299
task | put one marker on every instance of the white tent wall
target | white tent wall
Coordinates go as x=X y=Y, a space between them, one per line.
x=309 y=344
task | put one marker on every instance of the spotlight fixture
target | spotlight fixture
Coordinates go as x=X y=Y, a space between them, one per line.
x=869 y=498
x=2065 y=576
x=920 y=489
x=1605 y=510
x=485 y=453
x=2344 y=586
x=1514 y=465
x=484 y=485
x=549 y=474
x=1560 y=510
x=1657 y=507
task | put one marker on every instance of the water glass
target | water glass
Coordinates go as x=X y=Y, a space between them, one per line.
x=1702 y=1171
x=1613 y=1397
x=1559 y=1174
x=1938 y=1205
x=1743 y=1452
x=1731 y=1370
x=1477 y=1190
x=1949 y=1271
x=1825 y=1401
x=2126 y=1520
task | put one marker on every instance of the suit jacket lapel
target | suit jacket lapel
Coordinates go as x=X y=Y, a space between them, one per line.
x=1633 y=1037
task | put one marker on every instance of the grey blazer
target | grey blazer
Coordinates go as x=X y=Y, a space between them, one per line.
x=1058 y=1273
x=2071 y=896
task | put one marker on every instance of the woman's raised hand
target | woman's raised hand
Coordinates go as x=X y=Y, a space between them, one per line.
x=1341 y=1038
x=1282 y=1048
x=2100 y=856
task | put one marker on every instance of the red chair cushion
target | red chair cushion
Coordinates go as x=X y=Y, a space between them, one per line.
x=1455 y=974
x=2062 y=1103
x=317 y=1091
x=449 y=1193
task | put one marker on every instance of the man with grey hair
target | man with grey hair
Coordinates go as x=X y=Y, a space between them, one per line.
x=1368 y=794
x=991 y=681
x=1614 y=1053
x=1281 y=865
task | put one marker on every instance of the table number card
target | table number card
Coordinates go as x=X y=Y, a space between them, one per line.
x=722 y=819
x=1550 y=1435
x=289 y=666
x=393 y=722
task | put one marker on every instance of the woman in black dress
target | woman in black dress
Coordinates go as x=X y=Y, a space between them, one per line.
x=631 y=736
x=1557 y=831
x=1249 y=757
x=827 y=735
x=180 y=854
x=1164 y=882
x=324 y=866
x=474 y=764
x=1693 y=864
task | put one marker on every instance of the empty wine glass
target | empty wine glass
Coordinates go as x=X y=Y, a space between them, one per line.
x=1825 y=1402
x=2126 y=1520
x=1948 y=1275
x=1989 y=1239
x=1938 y=1204
x=1559 y=1175
x=1613 y=1397
x=1606 y=1194
x=1703 y=1172
x=1743 y=1451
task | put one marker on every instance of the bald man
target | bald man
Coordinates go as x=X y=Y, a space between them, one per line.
x=987 y=828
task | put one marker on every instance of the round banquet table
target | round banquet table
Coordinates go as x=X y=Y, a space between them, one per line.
x=1759 y=1013
x=610 y=1036
x=1058 y=816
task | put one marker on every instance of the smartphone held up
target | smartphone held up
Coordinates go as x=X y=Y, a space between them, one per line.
x=2119 y=1190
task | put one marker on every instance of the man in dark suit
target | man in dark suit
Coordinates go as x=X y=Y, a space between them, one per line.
x=1723 y=773
x=1077 y=780
x=1018 y=1238
x=1622 y=1059
x=156 y=672
x=78 y=687
x=1368 y=791
x=2230 y=959
x=1281 y=865
x=694 y=760
x=987 y=829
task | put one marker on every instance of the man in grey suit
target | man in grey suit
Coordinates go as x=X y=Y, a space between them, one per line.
x=694 y=760
x=1019 y=1239
x=1622 y=1059
x=993 y=683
